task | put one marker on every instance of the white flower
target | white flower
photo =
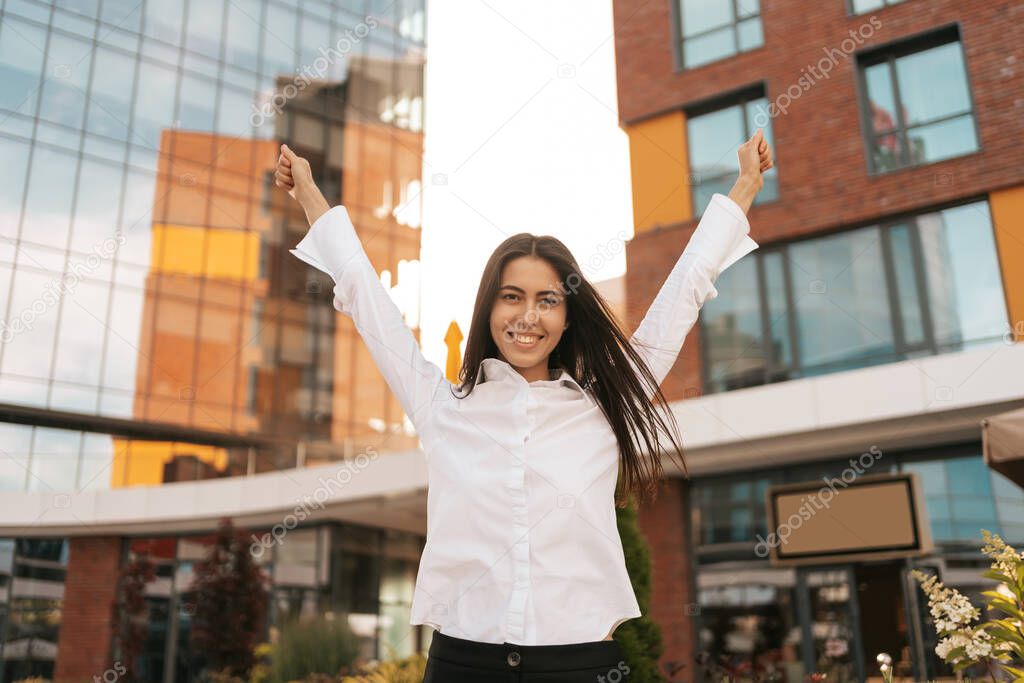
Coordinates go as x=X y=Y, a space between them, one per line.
x=1004 y=558
x=977 y=643
x=953 y=613
x=980 y=645
x=950 y=609
x=1002 y=646
x=949 y=643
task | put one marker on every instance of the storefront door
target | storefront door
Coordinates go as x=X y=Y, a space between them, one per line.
x=883 y=617
x=830 y=622
x=851 y=613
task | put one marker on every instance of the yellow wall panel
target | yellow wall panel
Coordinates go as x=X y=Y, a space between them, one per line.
x=1008 y=218
x=197 y=250
x=141 y=463
x=660 y=170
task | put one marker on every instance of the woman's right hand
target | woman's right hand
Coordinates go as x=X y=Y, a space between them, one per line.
x=293 y=173
x=755 y=158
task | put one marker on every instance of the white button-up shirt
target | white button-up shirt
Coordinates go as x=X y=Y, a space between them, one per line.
x=522 y=544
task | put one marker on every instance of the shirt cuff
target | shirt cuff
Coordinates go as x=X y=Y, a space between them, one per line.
x=723 y=234
x=331 y=243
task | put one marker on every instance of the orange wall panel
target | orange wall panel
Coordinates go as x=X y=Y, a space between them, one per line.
x=659 y=166
x=1008 y=223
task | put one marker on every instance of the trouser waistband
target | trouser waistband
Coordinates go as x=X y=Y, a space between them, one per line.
x=506 y=656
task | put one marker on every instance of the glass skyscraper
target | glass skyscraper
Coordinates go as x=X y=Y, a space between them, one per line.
x=155 y=328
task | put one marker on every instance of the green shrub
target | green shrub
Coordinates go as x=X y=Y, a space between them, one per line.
x=639 y=638
x=317 y=646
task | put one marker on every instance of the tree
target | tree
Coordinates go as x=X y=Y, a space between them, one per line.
x=130 y=618
x=229 y=605
x=639 y=638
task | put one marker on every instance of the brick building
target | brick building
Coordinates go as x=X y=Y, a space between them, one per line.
x=884 y=307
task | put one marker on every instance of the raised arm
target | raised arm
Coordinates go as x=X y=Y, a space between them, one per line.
x=721 y=238
x=332 y=245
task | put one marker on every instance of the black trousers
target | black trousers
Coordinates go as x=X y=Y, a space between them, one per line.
x=457 y=660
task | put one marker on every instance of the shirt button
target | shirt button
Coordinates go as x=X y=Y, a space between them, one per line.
x=513 y=659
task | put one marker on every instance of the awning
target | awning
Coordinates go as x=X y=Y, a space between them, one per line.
x=388 y=490
x=1002 y=440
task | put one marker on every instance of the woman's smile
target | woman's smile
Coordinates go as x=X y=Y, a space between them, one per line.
x=524 y=340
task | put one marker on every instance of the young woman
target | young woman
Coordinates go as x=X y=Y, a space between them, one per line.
x=554 y=421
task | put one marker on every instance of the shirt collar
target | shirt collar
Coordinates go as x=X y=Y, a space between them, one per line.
x=494 y=368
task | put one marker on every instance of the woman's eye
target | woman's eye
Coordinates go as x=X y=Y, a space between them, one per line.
x=506 y=297
x=551 y=301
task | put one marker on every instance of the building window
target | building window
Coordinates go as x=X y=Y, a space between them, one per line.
x=33 y=572
x=748 y=619
x=963 y=496
x=252 y=387
x=709 y=31
x=907 y=288
x=267 y=191
x=713 y=133
x=730 y=510
x=862 y=6
x=916 y=103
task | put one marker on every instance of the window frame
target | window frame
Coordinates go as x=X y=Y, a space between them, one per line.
x=797 y=369
x=900 y=461
x=888 y=54
x=676 y=17
x=886 y=4
x=739 y=97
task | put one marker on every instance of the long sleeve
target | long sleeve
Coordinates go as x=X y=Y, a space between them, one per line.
x=721 y=239
x=332 y=245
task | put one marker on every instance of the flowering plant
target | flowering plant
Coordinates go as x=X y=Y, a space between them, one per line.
x=995 y=643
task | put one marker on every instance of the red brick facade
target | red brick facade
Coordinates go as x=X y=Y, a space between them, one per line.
x=663 y=525
x=820 y=154
x=824 y=180
x=84 y=645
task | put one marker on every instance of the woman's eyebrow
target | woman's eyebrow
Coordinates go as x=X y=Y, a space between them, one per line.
x=520 y=289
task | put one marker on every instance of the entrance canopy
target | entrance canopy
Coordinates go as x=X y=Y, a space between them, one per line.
x=388 y=490
x=1002 y=439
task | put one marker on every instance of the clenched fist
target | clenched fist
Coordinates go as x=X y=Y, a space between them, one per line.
x=755 y=157
x=292 y=173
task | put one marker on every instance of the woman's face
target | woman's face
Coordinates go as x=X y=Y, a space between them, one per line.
x=528 y=315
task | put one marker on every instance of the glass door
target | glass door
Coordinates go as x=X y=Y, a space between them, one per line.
x=827 y=603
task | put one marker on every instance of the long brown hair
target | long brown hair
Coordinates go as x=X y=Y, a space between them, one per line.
x=597 y=353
